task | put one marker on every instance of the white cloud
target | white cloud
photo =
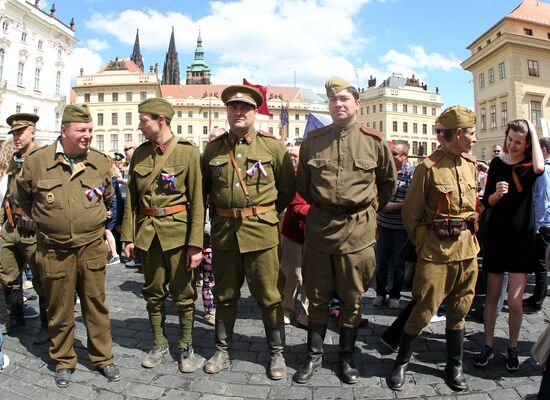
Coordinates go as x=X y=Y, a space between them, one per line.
x=97 y=45
x=418 y=60
x=84 y=58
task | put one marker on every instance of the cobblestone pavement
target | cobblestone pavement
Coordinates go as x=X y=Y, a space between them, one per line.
x=30 y=374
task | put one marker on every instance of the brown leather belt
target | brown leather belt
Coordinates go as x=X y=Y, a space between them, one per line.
x=162 y=211
x=341 y=211
x=17 y=210
x=244 y=212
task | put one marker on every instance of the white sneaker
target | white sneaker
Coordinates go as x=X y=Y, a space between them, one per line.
x=438 y=318
x=287 y=319
x=394 y=303
x=6 y=363
x=378 y=301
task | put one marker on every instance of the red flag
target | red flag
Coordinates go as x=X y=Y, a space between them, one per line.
x=263 y=90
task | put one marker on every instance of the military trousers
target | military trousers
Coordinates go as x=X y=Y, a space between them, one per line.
x=452 y=283
x=168 y=268
x=347 y=275
x=63 y=272
x=18 y=249
x=263 y=276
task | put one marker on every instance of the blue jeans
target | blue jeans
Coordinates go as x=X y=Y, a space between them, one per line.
x=1 y=354
x=390 y=247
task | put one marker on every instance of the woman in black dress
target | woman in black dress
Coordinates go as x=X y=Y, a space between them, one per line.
x=510 y=236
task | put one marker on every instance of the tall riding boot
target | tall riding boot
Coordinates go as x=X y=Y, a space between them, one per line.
x=392 y=335
x=43 y=335
x=276 y=341
x=396 y=380
x=315 y=338
x=453 y=370
x=348 y=372
x=14 y=304
x=224 y=336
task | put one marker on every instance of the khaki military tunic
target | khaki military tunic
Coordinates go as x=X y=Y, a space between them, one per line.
x=247 y=247
x=346 y=174
x=68 y=200
x=165 y=239
x=446 y=268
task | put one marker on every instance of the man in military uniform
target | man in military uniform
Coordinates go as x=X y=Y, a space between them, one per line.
x=439 y=216
x=164 y=218
x=346 y=172
x=19 y=244
x=66 y=189
x=249 y=178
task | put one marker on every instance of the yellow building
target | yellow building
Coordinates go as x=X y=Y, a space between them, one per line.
x=510 y=64
x=402 y=108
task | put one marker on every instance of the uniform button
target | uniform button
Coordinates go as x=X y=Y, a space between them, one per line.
x=237 y=184
x=238 y=156
x=341 y=168
x=240 y=170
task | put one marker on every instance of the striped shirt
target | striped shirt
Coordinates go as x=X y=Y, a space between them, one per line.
x=393 y=220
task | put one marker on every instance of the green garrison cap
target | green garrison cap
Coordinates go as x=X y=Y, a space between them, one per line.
x=335 y=85
x=76 y=113
x=457 y=117
x=156 y=106
x=242 y=93
x=21 y=120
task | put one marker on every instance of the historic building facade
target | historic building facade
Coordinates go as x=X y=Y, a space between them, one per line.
x=510 y=65
x=35 y=53
x=402 y=108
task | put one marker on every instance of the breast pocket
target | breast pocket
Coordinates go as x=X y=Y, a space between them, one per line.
x=322 y=171
x=364 y=170
x=92 y=192
x=172 y=178
x=259 y=170
x=219 y=172
x=50 y=192
x=140 y=174
x=443 y=199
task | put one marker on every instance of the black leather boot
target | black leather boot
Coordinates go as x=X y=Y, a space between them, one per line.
x=392 y=335
x=14 y=304
x=315 y=339
x=276 y=341
x=396 y=380
x=453 y=370
x=224 y=336
x=348 y=372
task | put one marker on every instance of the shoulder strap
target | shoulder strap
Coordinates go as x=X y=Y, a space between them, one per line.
x=236 y=168
x=158 y=167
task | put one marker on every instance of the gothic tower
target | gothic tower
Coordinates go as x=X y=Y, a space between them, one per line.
x=136 y=54
x=198 y=72
x=171 y=72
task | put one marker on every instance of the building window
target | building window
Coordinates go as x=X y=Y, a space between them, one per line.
x=483 y=119
x=205 y=130
x=100 y=142
x=20 y=70
x=189 y=114
x=415 y=147
x=127 y=137
x=86 y=97
x=296 y=132
x=100 y=97
x=2 y=54
x=142 y=138
x=23 y=36
x=114 y=142
x=40 y=44
x=128 y=118
x=271 y=130
x=533 y=67
x=115 y=97
x=205 y=114
x=434 y=146
x=405 y=108
x=362 y=111
x=394 y=126
x=374 y=108
x=394 y=107
x=18 y=108
x=501 y=71
x=536 y=112
x=368 y=124
x=493 y=116
x=405 y=127
x=179 y=114
x=425 y=129
x=374 y=124
x=482 y=80
x=37 y=79
x=415 y=109
x=189 y=129
x=528 y=32
x=178 y=129
x=216 y=115
x=380 y=107
x=483 y=153
x=434 y=111
x=57 y=83
x=143 y=96
x=381 y=126
x=368 y=109
x=296 y=117
x=491 y=75
x=99 y=119
x=424 y=110
x=35 y=110
x=503 y=113
x=114 y=119
x=415 y=127
x=5 y=25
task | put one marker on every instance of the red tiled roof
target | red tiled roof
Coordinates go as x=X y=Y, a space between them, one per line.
x=532 y=11
x=198 y=91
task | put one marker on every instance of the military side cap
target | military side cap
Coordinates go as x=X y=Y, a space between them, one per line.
x=119 y=156
x=242 y=93
x=156 y=106
x=335 y=85
x=457 y=117
x=76 y=113
x=21 y=120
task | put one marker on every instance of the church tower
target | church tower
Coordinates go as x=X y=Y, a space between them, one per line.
x=198 y=72
x=136 y=54
x=171 y=72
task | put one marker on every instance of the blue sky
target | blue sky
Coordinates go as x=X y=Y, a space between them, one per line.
x=271 y=41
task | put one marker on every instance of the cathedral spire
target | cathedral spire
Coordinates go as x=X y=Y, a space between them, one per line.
x=136 y=54
x=198 y=72
x=171 y=72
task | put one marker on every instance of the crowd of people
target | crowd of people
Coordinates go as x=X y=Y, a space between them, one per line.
x=354 y=206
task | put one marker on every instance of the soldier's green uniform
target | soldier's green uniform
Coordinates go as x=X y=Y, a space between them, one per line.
x=346 y=174
x=19 y=244
x=438 y=214
x=246 y=247
x=68 y=200
x=164 y=239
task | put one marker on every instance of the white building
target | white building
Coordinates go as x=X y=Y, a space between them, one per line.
x=35 y=52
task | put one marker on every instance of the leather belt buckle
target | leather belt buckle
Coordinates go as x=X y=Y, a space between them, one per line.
x=161 y=212
x=237 y=213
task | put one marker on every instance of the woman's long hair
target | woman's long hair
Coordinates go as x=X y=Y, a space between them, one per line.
x=7 y=149
x=519 y=125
